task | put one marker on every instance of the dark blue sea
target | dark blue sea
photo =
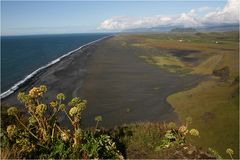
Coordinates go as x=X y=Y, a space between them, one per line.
x=22 y=55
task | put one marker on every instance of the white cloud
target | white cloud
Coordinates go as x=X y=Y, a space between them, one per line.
x=188 y=19
x=229 y=14
x=124 y=22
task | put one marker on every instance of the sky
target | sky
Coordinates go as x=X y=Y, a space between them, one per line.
x=52 y=17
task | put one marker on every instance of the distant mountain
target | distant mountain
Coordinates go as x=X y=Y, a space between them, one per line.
x=219 y=28
x=166 y=28
x=183 y=30
x=171 y=28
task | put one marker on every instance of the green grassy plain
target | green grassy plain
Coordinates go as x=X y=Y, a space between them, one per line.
x=214 y=109
x=213 y=104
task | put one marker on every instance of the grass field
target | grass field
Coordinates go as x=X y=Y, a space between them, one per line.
x=214 y=109
x=213 y=104
x=199 y=53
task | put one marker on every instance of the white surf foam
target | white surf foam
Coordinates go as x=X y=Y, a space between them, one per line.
x=18 y=84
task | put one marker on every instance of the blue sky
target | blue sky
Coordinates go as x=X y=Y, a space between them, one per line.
x=46 y=17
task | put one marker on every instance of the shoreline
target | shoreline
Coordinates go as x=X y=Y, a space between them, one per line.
x=30 y=76
x=117 y=84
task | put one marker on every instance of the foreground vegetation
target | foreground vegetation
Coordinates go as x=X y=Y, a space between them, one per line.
x=214 y=103
x=39 y=134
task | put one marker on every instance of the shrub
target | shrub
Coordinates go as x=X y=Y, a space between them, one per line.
x=177 y=136
x=43 y=137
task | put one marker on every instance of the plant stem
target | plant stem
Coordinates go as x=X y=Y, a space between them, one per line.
x=35 y=118
x=96 y=126
x=53 y=115
x=68 y=116
x=42 y=146
x=37 y=101
x=25 y=127
x=59 y=128
x=53 y=131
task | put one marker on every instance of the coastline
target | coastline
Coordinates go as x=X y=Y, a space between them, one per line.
x=118 y=85
x=22 y=82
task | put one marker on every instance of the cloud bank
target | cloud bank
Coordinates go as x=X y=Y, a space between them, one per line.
x=228 y=15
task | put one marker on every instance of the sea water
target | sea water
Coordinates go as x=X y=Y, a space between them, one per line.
x=21 y=56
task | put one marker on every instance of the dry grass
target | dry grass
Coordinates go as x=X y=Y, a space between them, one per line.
x=7 y=153
x=230 y=59
x=207 y=67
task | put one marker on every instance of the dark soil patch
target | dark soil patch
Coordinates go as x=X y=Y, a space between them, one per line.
x=185 y=55
x=223 y=73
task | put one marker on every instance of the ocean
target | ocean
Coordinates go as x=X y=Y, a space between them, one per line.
x=23 y=55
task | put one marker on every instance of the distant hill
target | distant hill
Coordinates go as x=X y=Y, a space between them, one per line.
x=166 y=28
x=220 y=28
x=183 y=30
x=174 y=28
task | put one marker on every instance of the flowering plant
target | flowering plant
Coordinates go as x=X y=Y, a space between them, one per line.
x=40 y=135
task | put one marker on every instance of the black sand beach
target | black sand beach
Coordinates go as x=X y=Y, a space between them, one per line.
x=118 y=85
